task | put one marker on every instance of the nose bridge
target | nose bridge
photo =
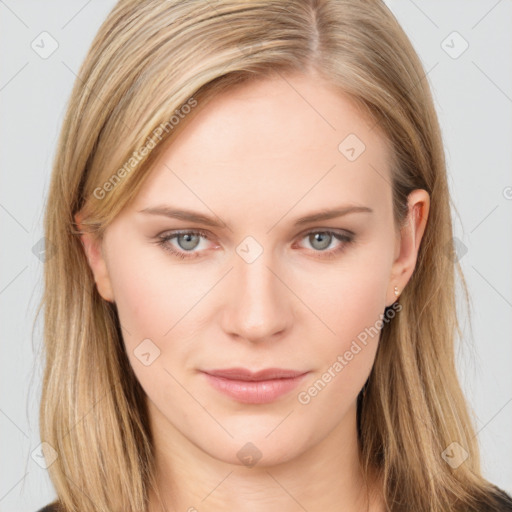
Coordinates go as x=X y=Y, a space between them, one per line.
x=257 y=306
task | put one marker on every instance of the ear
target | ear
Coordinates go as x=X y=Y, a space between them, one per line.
x=94 y=252
x=408 y=243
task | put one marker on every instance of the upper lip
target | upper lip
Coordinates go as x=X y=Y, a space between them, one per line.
x=248 y=375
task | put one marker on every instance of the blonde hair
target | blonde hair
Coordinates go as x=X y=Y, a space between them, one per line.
x=150 y=59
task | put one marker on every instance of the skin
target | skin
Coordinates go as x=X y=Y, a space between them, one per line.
x=257 y=158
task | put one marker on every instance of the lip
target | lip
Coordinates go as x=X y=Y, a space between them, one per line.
x=258 y=387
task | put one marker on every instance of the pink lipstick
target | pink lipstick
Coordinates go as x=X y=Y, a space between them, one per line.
x=259 y=387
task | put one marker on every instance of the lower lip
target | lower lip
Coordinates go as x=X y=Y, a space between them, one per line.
x=254 y=392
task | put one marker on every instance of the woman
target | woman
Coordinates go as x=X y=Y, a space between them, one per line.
x=251 y=305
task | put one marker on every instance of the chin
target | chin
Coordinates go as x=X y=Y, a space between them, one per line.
x=254 y=447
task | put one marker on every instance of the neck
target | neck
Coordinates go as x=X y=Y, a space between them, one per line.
x=326 y=477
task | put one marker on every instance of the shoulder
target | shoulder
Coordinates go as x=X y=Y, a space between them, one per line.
x=52 y=507
x=503 y=501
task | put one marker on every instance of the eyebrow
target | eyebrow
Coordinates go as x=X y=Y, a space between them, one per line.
x=199 y=218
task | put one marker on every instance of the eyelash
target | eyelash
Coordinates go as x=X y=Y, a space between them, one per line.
x=163 y=241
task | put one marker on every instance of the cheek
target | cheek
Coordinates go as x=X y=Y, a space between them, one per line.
x=160 y=300
x=349 y=297
x=153 y=294
x=350 y=300
x=154 y=299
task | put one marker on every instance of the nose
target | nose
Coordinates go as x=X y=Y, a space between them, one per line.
x=258 y=305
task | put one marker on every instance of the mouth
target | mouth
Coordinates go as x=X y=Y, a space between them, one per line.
x=259 y=387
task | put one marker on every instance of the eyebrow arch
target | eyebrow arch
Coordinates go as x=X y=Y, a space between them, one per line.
x=331 y=214
x=199 y=218
x=183 y=214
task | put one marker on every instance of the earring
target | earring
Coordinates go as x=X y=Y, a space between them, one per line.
x=396 y=291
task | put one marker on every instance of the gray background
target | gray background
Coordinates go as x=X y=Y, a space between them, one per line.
x=473 y=96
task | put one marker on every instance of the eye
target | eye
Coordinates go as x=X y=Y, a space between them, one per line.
x=187 y=241
x=321 y=240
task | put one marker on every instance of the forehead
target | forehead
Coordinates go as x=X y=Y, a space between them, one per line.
x=272 y=142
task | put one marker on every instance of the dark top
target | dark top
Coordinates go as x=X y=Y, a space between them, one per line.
x=504 y=500
x=505 y=504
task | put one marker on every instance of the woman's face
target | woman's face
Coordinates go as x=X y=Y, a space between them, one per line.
x=251 y=284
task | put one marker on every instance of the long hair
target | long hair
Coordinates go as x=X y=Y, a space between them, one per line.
x=151 y=67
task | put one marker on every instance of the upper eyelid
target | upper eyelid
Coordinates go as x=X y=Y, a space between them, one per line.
x=206 y=233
